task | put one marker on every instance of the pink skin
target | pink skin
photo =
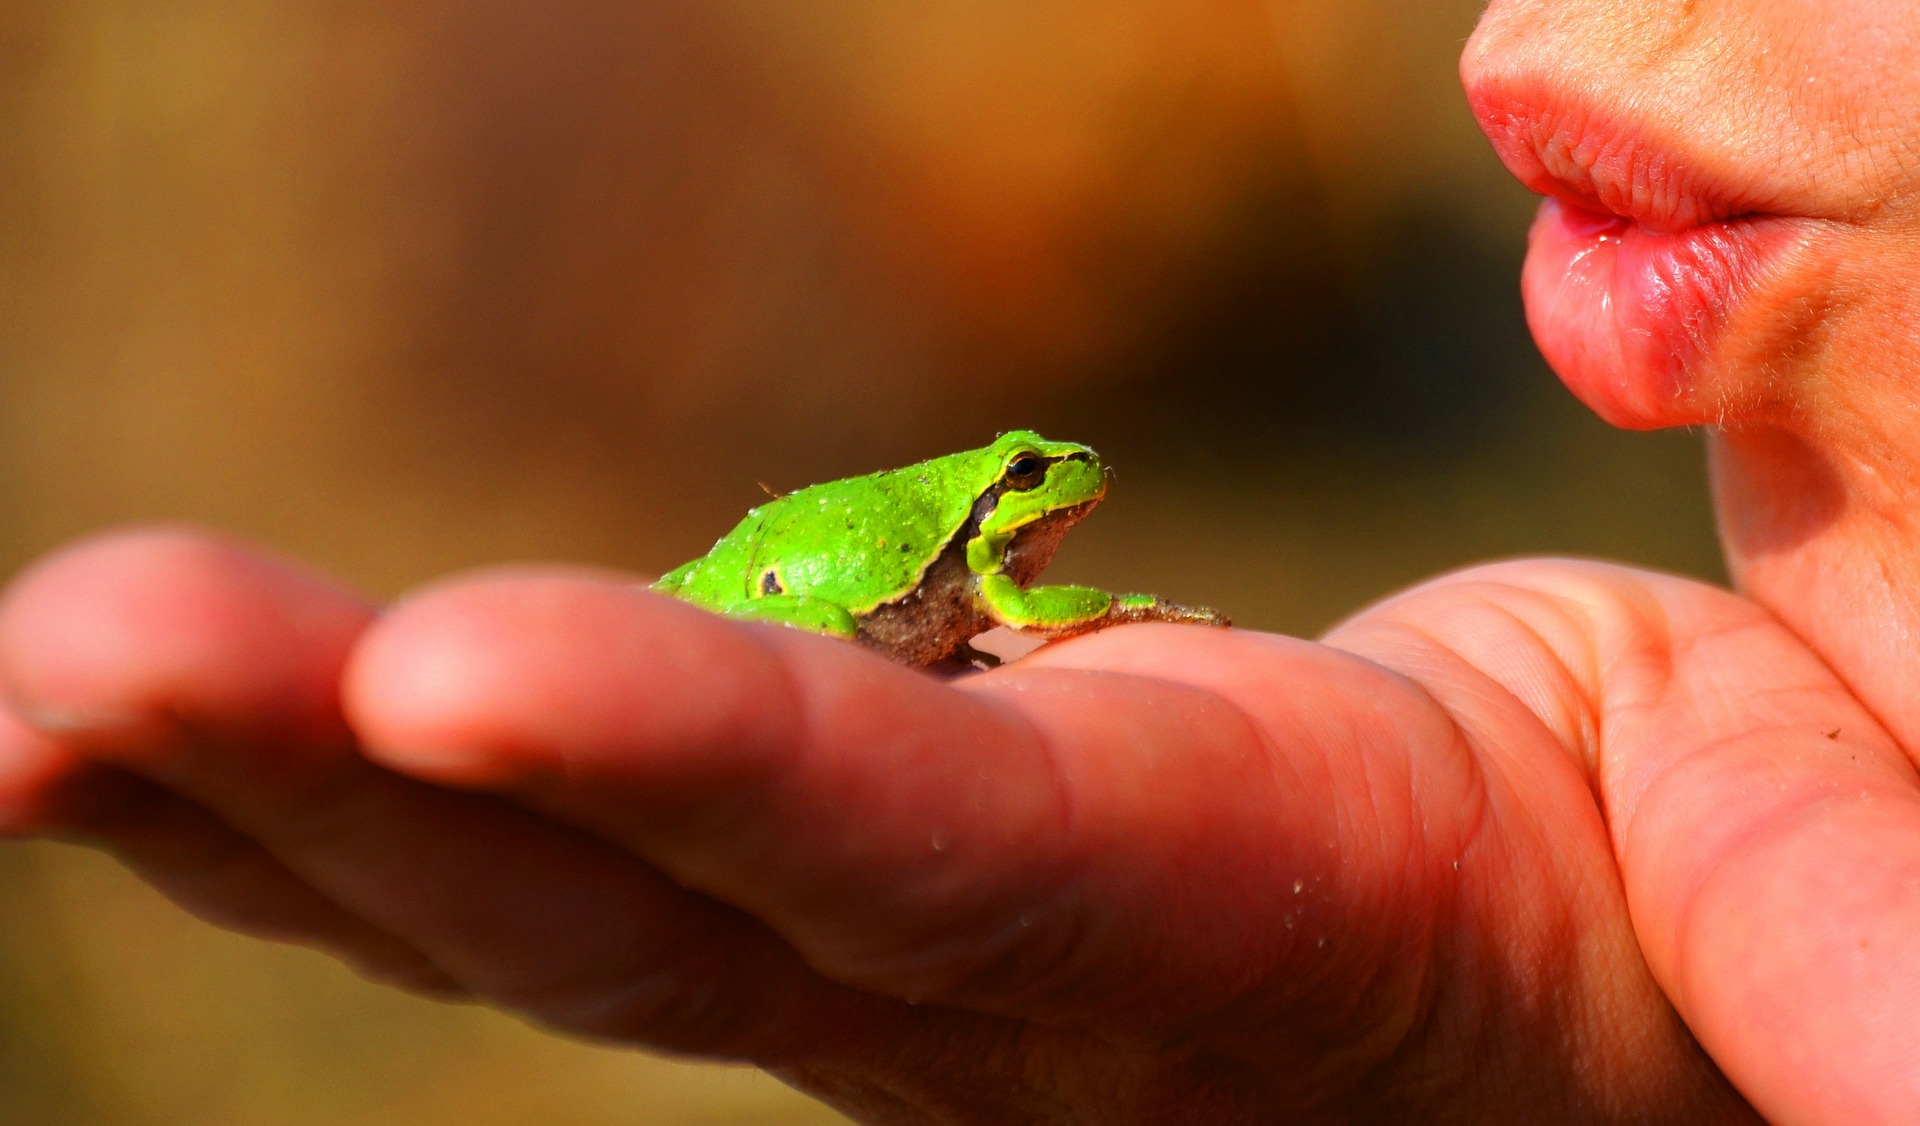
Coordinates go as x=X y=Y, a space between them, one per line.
x=1647 y=261
x=1496 y=850
x=1625 y=312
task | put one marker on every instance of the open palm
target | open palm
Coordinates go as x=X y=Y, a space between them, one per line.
x=1462 y=860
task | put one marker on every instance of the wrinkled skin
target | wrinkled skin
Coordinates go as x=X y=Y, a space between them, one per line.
x=1486 y=853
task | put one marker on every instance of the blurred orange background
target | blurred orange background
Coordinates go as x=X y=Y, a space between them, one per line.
x=415 y=286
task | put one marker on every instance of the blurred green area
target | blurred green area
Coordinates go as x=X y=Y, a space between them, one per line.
x=415 y=286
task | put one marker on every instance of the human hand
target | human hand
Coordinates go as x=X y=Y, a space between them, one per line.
x=1156 y=874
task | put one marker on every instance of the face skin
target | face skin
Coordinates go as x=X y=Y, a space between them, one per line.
x=1732 y=239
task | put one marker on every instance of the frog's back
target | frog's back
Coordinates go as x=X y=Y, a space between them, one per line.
x=717 y=579
x=858 y=542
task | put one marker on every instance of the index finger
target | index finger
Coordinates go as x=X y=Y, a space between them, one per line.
x=1030 y=841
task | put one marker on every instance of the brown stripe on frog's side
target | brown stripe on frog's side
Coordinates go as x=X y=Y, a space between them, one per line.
x=939 y=615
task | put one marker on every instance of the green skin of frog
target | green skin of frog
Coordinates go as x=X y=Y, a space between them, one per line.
x=915 y=562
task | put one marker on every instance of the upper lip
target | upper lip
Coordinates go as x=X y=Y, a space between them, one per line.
x=1581 y=152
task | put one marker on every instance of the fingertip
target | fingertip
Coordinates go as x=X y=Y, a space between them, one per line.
x=118 y=629
x=425 y=687
x=477 y=679
x=524 y=678
x=32 y=767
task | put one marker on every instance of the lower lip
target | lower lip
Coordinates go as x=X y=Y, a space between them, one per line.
x=1627 y=316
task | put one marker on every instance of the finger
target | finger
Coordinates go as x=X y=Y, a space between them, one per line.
x=37 y=780
x=1766 y=827
x=190 y=856
x=1040 y=841
x=213 y=670
x=1771 y=846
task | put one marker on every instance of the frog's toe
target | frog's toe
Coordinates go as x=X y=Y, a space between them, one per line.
x=1147 y=608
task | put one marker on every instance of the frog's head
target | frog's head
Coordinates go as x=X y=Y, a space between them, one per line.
x=1039 y=489
x=1036 y=476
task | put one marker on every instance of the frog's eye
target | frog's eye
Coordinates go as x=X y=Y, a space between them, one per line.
x=1025 y=471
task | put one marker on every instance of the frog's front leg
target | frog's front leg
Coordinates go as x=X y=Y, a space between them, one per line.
x=816 y=615
x=1063 y=611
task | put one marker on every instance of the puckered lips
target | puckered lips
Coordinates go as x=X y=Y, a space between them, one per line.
x=1640 y=259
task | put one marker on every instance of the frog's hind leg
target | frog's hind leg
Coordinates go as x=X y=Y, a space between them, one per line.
x=815 y=615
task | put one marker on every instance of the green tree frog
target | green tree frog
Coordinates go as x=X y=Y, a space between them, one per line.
x=915 y=562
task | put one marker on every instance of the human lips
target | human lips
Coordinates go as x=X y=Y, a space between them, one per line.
x=1627 y=314
x=1640 y=260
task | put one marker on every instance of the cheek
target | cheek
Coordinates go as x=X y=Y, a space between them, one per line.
x=1873 y=331
x=1832 y=353
x=1847 y=73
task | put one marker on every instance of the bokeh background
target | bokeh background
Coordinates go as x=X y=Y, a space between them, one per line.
x=418 y=285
